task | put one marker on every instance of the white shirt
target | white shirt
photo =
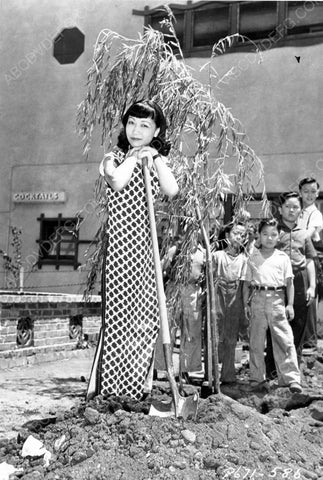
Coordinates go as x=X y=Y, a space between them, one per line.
x=310 y=218
x=269 y=272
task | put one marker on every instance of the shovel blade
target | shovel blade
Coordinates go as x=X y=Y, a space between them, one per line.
x=162 y=409
x=186 y=408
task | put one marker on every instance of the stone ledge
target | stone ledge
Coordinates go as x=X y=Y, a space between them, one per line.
x=29 y=351
x=29 y=297
x=46 y=354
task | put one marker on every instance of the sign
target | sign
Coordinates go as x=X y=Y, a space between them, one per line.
x=39 y=197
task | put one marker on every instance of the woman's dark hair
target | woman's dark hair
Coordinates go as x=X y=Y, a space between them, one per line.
x=146 y=109
x=267 y=222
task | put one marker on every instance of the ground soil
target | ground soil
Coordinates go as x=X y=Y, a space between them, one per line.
x=237 y=434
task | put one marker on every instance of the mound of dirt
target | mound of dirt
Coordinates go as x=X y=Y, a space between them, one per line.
x=263 y=434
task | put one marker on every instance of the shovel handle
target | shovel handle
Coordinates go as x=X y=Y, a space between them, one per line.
x=158 y=270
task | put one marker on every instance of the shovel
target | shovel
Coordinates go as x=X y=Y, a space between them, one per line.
x=184 y=407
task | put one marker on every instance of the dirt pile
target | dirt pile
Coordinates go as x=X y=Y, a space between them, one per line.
x=265 y=434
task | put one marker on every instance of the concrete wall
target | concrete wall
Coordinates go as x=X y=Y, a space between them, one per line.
x=280 y=106
x=40 y=149
x=277 y=100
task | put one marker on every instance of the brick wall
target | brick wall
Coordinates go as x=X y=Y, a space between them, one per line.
x=33 y=324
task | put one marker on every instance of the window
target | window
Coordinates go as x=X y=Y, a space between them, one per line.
x=304 y=18
x=210 y=25
x=179 y=26
x=58 y=242
x=200 y=25
x=257 y=19
x=68 y=45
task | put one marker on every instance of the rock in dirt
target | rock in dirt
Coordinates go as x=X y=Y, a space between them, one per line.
x=189 y=436
x=91 y=416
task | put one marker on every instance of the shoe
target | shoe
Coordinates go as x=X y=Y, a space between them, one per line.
x=295 y=387
x=256 y=386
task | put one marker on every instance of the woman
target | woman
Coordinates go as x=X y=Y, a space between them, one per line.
x=130 y=318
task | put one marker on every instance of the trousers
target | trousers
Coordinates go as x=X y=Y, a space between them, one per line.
x=229 y=308
x=268 y=312
x=298 y=324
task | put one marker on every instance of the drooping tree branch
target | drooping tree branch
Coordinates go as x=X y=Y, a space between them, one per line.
x=209 y=155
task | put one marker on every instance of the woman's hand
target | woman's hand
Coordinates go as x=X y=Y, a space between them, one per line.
x=149 y=153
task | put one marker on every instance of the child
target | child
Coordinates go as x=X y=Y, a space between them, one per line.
x=188 y=311
x=130 y=323
x=294 y=241
x=229 y=270
x=311 y=219
x=191 y=325
x=269 y=274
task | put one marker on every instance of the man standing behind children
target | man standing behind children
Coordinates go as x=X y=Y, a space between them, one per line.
x=311 y=220
x=229 y=270
x=294 y=241
x=269 y=278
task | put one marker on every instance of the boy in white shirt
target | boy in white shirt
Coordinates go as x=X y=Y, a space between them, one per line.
x=310 y=219
x=268 y=294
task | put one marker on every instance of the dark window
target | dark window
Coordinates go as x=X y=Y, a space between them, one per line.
x=68 y=45
x=304 y=17
x=257 y=19
x=200 y=25
x=156 y=20
x=58 y=242
x=210 y=25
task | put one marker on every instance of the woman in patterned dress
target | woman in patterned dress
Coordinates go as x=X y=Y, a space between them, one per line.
x=130 y=317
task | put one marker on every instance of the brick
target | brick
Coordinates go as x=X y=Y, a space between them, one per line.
x=51 y=341
x=45 y=312
x=7 y=331
x=7 y=346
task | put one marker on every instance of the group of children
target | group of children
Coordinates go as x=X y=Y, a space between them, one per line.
x=274 y=284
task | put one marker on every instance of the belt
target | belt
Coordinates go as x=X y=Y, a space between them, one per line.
x=227 y=283
x=264 y=287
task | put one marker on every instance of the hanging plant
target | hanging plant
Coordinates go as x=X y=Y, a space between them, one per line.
x=13 y=263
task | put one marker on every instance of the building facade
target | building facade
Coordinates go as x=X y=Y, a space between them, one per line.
x=271 y=81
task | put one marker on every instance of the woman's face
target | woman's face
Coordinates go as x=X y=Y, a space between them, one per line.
x=140 y=131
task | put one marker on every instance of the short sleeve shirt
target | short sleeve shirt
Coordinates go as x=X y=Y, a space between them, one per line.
x=229 y=267
x=311 y=217
x=269 y=272
x=296 y=244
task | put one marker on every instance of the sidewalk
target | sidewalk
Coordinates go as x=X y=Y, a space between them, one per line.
x=41 y=390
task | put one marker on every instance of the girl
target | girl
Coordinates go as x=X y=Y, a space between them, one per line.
x=130 y=317
x=229 y=270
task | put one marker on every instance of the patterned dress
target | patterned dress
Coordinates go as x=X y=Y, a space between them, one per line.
x=130 y=318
